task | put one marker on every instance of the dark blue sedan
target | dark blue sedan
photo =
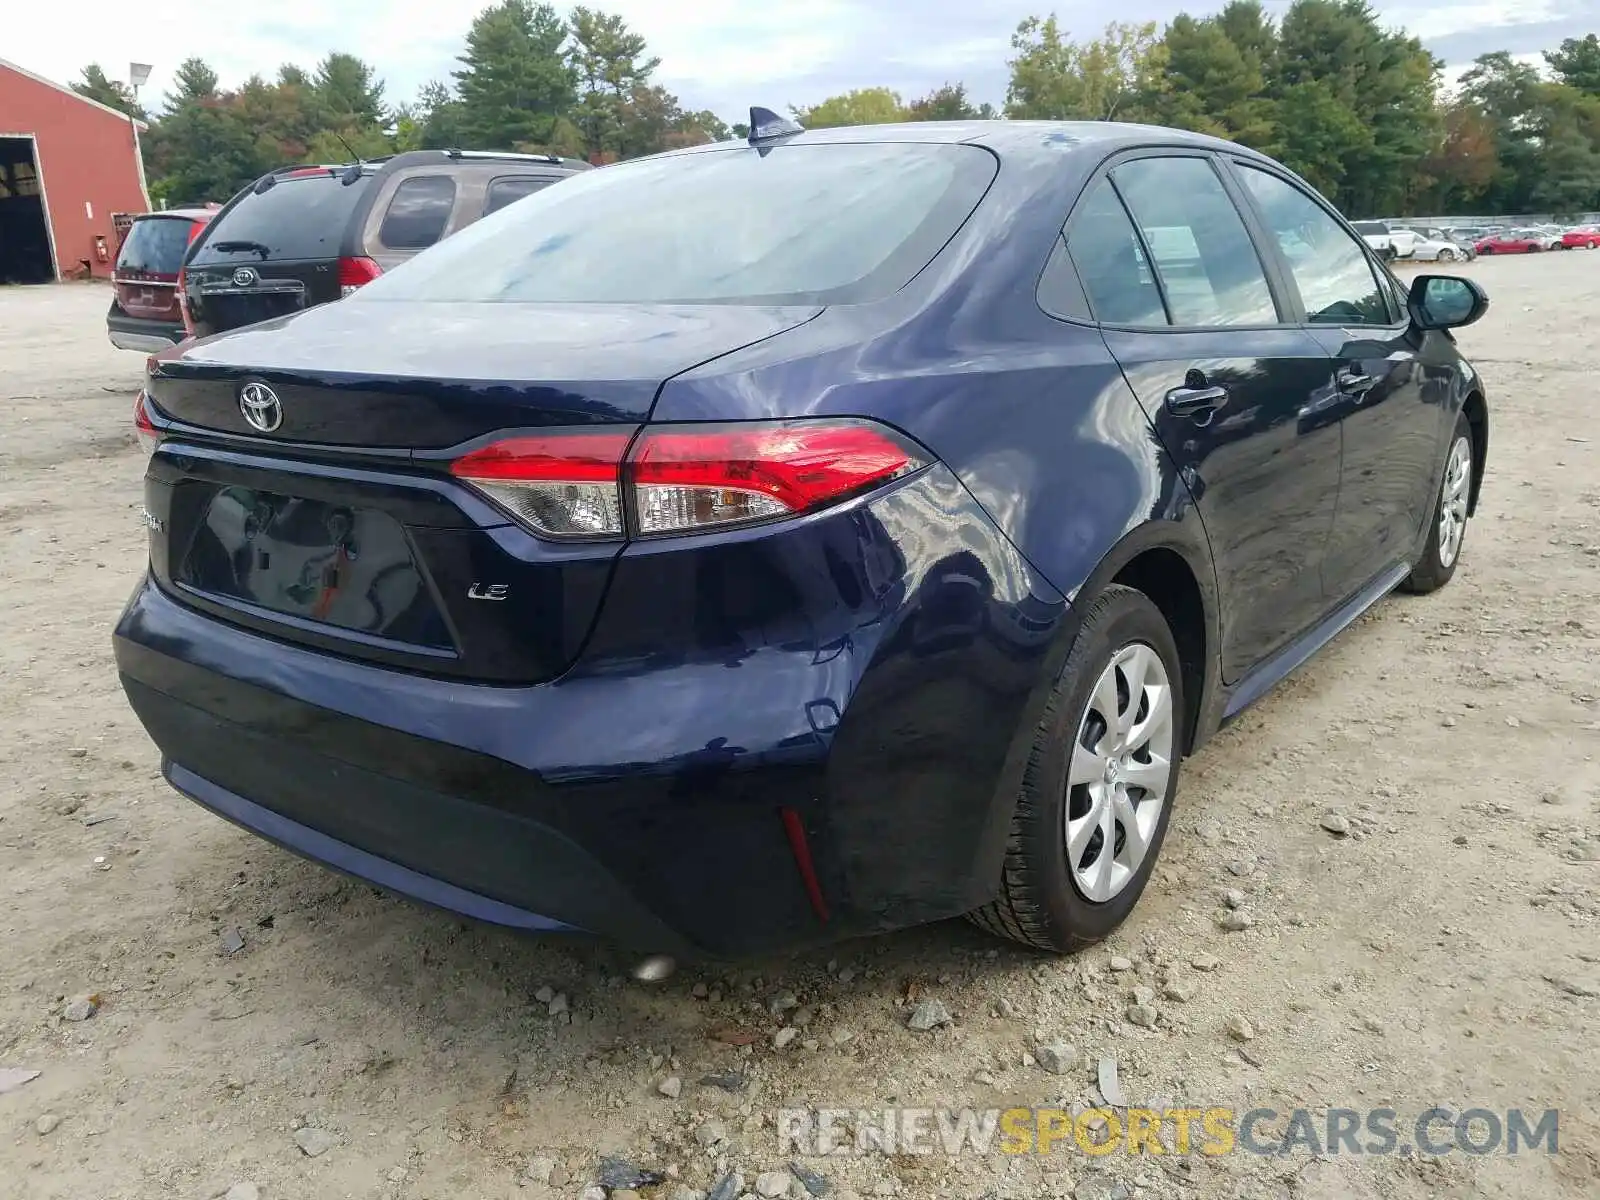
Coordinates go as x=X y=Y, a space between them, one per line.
x=773 y=542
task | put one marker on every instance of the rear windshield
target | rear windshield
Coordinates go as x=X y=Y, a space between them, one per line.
x=799 y=224
x=155 y=245
x=293 y=219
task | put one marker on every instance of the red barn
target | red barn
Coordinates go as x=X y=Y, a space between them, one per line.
x=67 y=163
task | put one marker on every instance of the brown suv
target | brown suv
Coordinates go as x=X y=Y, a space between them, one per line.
x=145 y=314
x=303 y=236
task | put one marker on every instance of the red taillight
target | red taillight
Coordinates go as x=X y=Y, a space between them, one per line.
x=688 y=478
x=353 y=272
x=143 y=427
x=684 y=478
x=183 y=301
x=563 y=485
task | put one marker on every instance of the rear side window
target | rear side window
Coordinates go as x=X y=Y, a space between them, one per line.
x=294 y=219
x=506 y=191
x=806 y=223
x=1209 y=271
x=419 y=213
x=1335 y=277
x=1111 y=263
x=155 y=245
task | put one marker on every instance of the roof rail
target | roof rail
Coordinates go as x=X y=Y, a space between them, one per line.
x=456 y=152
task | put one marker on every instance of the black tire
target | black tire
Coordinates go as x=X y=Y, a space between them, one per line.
x=1039 y=903
x=1431 y=573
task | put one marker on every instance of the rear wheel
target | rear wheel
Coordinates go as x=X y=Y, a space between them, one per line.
x=1447 y=255
x=1098 y=787
x=1448 y=528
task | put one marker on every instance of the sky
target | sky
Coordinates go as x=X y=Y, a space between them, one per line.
x=724 y=55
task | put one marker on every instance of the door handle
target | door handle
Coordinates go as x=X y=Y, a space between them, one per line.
x=1355 y=382
x=1196 y=401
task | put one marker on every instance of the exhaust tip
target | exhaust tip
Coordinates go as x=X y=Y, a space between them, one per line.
x=655 y=969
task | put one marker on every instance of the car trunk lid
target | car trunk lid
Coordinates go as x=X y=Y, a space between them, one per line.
x=342 y=527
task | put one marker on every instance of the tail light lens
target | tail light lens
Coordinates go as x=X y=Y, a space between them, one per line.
x=562 y=485
x=143 y=427
x=684 y=478
x=353 y=272
x=183 y=301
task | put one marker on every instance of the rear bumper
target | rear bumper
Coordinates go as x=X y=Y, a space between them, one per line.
x=873 y=703
x=147 y=337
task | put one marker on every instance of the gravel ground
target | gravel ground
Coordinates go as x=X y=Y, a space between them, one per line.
x=1442 y=951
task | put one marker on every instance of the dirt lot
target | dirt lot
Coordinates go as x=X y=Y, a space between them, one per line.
x=1445 y=952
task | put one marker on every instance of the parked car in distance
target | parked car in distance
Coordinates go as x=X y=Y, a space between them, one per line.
x=1386 y=241
x=1515 y=241
x=1433 y=246
x=302 y=236
x=763 y=544
x=1583 y=237
x=146 y=314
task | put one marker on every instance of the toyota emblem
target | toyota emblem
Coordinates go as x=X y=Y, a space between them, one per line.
x=245 y=277
x=261 y=407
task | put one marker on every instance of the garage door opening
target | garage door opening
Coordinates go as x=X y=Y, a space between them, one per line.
x=26 y=255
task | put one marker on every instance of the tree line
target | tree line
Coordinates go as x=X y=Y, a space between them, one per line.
x=1357 y=108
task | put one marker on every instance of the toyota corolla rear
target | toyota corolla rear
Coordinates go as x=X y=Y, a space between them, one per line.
x=433 y=597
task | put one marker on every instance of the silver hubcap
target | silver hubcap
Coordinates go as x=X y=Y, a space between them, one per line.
x=1453 y=501
x=1447 y=255
x=1121 y=765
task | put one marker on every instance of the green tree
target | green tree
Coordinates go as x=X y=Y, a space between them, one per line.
x=196 y=81
x=1384 y=83
x=515 y=81
x=1577 y=63
x=617 y=112
x=948 y=102
x=97 y=86
x=348 y=93
x=1215 y=86
x=1115 y=77
x=864 y=106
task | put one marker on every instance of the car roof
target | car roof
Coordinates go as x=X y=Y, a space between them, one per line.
x=1009 y=138
x=187 y=214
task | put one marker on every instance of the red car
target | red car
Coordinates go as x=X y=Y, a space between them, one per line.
x=1517 y=241
x=145 y=312
x=1585 y=237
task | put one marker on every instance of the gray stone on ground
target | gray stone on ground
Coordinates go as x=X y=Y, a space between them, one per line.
x=1205 y=962
x=539 y=1169
x=711 y=1131
x=47 y=1124
x=1057 y=1057
x=814 y=1184
x=671 y=1087
x=80 y=1008
x=243 y=1191
x=772 y=1184
x=1240 y=1029
x=729 y=1187
x=928 y=1014
x=1336 y=823
x=313 y=1141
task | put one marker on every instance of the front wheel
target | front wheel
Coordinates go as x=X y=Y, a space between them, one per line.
x=1097 y=789
x=1449 y=526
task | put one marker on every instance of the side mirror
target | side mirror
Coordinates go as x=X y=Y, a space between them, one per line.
x=1445 y=302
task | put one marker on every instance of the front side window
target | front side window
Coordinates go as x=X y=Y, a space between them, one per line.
x=1330 y=267
x=419 y=212
x=1111 y=263
x=1208 y=266
x=808 y=223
